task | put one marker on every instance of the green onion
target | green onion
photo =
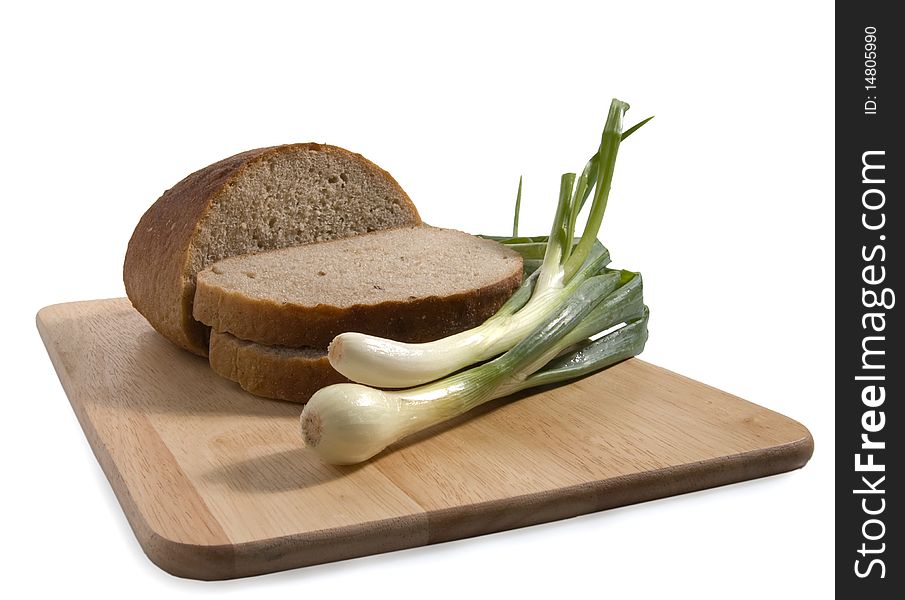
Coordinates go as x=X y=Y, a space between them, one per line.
x=349 y=423
x=518 y=207
x=565 y=266
x=570 y=317
x=592 y=356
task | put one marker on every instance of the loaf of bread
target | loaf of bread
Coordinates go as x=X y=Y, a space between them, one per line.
x=276 y=372
x=411 y=283
x=257 y=200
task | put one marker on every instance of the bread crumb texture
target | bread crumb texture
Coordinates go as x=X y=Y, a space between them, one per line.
x=300 y=195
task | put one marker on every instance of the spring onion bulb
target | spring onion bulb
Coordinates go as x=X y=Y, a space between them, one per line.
x=565 y=266
x=349 y=423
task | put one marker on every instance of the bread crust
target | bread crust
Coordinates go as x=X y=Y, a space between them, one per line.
x=265 y=371
x=418 y=320
x=157 y=270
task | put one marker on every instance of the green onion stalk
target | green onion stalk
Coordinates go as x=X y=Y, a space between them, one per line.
x=567 y=262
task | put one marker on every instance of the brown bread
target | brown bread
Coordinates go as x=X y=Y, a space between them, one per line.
x=412 y=284
x=257 y=200
x=277 y=372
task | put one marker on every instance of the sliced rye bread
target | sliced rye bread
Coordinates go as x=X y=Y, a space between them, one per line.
x=257 y=200
x=276 y=372
x=412 y=284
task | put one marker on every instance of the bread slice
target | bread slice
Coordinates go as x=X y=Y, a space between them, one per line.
x=413 y=284
x=277 y=372
x=257 y=200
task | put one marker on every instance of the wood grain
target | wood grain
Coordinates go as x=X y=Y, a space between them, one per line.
x=216 y=483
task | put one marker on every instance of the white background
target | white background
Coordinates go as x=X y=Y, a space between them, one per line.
x=724 y=202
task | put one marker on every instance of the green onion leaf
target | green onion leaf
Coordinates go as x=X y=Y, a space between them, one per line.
x=518 y=206
x=615 y=346
x=609 y=147
x=635 y=127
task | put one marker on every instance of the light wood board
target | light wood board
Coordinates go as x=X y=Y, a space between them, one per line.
x=216 y=483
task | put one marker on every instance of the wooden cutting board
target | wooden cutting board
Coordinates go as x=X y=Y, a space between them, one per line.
x=216 y=483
